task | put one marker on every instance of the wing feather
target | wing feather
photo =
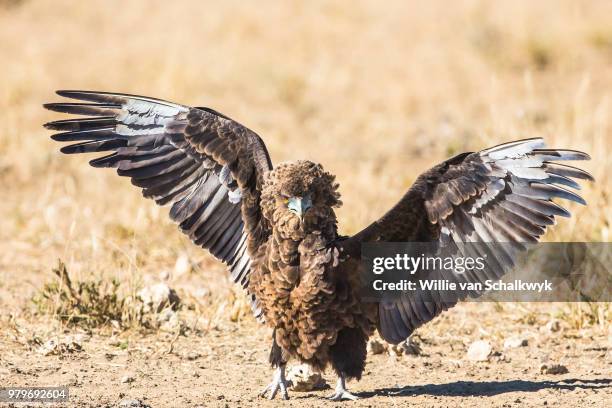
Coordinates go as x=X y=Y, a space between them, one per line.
x=502 y=194
x=197 y=160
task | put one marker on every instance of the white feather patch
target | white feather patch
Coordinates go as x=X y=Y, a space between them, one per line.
x=488 y=195
x=530 y=173
x=523 y=162
x=234 y=196
x=152 y=108
x=127 y=131
x=514 y=149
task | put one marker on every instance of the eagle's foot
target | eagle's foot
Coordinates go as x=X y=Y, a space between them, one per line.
x=278 y=383
x=343 y=395
x=341 y=392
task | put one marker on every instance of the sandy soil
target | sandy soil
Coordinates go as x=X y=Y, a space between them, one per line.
x=226 y=366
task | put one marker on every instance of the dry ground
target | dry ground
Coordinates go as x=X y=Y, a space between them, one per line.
x=376 y=92
x=225 y=366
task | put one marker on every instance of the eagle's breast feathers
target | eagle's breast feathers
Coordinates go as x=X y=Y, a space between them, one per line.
x=296 y=275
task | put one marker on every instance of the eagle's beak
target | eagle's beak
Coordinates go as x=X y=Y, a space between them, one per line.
x=299 y=205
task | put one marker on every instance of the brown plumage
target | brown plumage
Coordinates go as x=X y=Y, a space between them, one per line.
x=296 y=276
x=277 y=231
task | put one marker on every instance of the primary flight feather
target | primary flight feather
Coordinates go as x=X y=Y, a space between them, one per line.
x=276 y=228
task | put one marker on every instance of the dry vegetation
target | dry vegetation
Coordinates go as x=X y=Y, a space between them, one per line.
x=375 y=93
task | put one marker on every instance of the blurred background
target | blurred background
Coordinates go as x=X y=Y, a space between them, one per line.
x=377 y=92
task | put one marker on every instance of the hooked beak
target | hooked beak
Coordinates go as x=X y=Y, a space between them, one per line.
x=299 y=205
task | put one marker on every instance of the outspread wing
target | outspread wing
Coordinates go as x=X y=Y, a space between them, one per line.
x=208 y=167
x=502 y=194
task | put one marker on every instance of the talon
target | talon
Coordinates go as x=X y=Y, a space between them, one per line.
x=344 y=395
x=278 y=383
x=341 y=393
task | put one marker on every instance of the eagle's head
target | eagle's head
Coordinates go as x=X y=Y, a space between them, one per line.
x=299 y=198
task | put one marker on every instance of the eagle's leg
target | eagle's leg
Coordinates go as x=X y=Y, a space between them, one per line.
x=341 y=392
x=348 y=357
x=279 y=382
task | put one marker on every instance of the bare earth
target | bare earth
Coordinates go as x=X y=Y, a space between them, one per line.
x=226 y=366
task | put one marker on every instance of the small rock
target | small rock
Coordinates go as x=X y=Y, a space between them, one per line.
x=48 y=348
x=376 y=347
x=82 y=337
x=410 y=347
x=500 y=357
x=132 y=403
x=554 y=369
x=304 y=378
x=126 y=379
x=72 y=344
x=56 y=347
x=479 y=350
x=192 y=355
x=515 y=342
x=168 y=321
x=553 y=326
x=454 y=363
x=182 y=265
x=165 y=315
x=158 y=297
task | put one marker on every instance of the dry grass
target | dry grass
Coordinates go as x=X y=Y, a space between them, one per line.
x=95 y=304
x=89 y=303
x=376 y=94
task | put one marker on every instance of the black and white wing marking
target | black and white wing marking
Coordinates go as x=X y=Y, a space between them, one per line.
x=208 y=167
x=499 y=195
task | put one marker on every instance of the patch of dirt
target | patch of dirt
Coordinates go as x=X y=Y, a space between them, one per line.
x=227 y=365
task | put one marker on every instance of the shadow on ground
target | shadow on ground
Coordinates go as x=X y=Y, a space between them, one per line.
x=488 y=388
